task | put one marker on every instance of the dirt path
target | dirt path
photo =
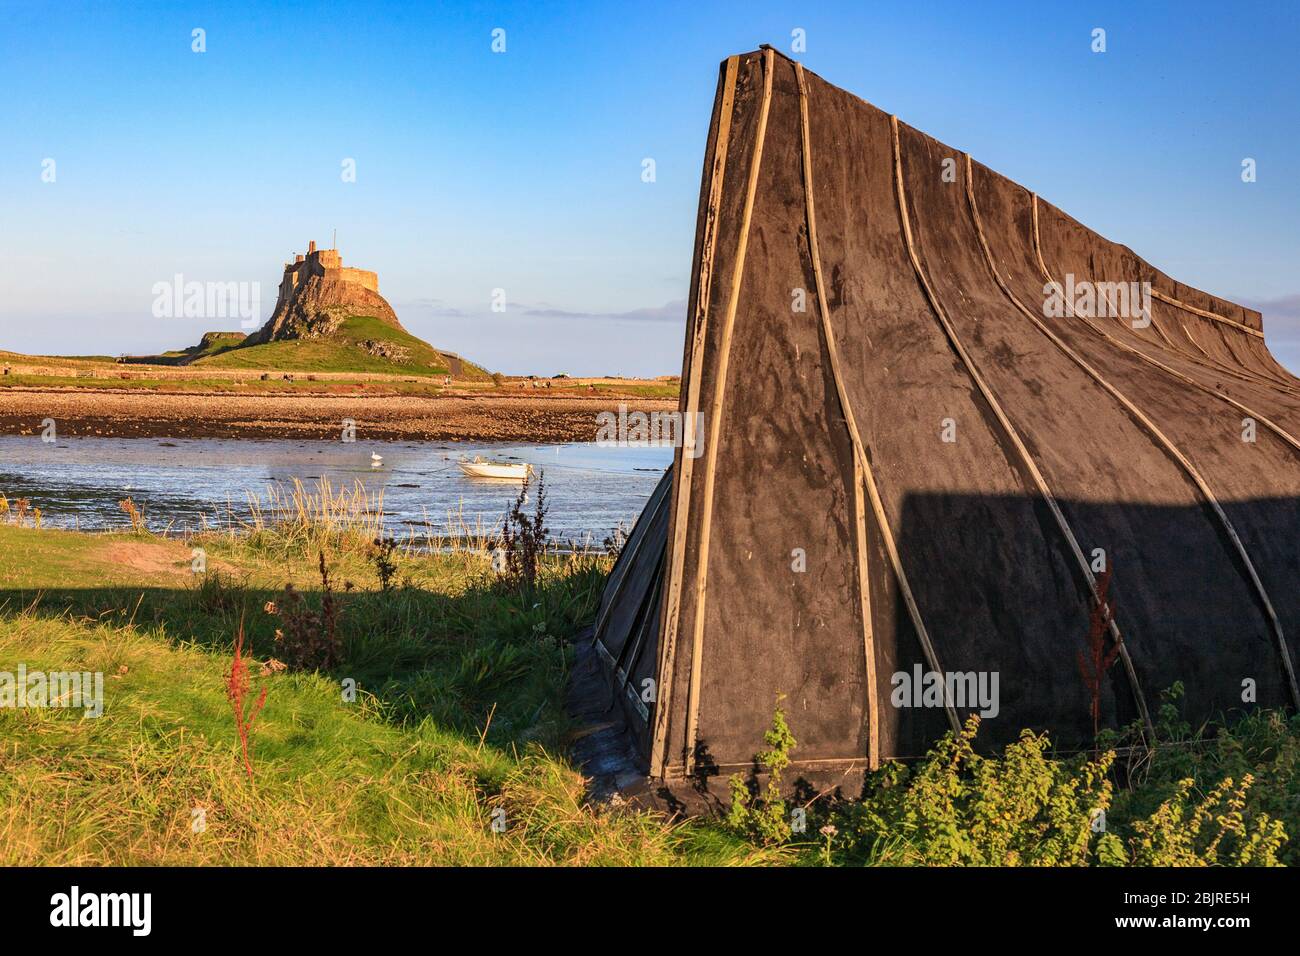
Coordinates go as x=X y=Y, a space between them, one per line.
x=130 y=415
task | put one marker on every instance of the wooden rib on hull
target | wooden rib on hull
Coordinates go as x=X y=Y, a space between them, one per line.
x=909 y=465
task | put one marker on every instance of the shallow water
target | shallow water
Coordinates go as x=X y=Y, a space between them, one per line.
x=78 y=482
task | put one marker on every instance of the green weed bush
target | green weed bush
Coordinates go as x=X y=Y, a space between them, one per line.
x=1229 y=805
x=765 y=818
x=958 y=808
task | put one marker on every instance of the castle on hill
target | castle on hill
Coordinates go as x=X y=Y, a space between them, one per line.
x=317 y=292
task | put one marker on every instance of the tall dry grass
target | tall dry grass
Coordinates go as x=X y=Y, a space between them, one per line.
x=301 y=518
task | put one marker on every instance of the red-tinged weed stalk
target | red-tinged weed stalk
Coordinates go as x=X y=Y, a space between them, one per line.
x=238 y=683
x=1097 y=660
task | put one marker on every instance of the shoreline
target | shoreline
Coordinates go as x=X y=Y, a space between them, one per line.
x=115 y=414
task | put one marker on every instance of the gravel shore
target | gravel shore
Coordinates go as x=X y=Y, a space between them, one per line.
x=175 y=415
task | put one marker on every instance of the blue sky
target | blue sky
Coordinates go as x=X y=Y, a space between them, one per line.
x=522 y=170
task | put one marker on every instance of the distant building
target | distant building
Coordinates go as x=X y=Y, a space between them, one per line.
x=315 y=290
x=326 y=263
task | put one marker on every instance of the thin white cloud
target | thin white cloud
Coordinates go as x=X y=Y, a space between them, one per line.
x=431 y=307
x=668 y=312
x=674 y=311
x=1281 y=326
x=1281 y=315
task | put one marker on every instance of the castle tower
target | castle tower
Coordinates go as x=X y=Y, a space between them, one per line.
x=314 y=290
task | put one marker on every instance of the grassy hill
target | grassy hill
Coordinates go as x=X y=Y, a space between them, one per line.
x=212 y=343
x=361 y=344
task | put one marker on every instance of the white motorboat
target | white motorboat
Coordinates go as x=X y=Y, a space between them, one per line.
x=510 y=471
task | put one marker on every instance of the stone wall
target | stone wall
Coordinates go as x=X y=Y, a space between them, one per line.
x=363 y=277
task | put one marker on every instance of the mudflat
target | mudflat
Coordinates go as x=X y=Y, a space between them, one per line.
x=156 y=414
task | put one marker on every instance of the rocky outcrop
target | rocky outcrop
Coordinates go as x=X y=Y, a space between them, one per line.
x=214 y=340
x=317 y=293
x=387 y=350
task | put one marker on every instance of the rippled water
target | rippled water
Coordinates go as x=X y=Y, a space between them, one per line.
x=78 y=482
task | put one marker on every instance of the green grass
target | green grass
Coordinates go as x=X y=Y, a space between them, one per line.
x=341 y=352
x=251 y=385
x=7 y=357
x=459 y=715
x=213 y=343
x=339 y=355
x=665 y=390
